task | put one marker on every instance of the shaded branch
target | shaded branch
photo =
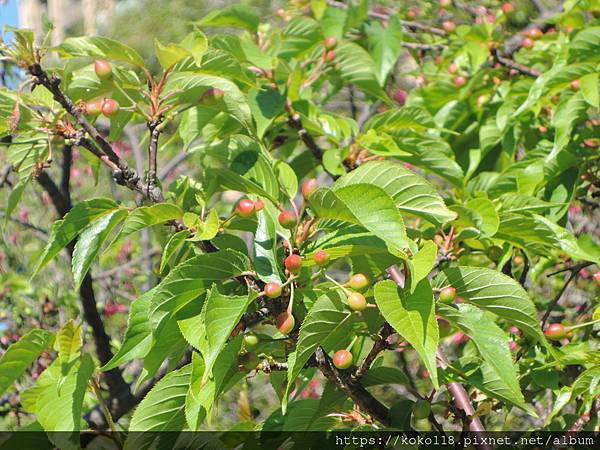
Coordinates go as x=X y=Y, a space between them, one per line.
x=355 y=391
x=378 y=346
x=507 y=62
x=574 y=272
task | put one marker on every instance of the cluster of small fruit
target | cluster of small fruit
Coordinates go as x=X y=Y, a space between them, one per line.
x=293 y=263
x=107 y=106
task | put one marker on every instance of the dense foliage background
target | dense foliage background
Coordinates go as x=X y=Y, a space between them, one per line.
x=432 y=165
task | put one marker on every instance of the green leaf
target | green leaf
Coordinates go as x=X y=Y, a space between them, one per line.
x=299 y=36
x=196 y=45
x=288 y=179
x=265 y=248
x=588 y=383
x=99 y=47
x=377 y=376
x=365 y=205
x=346 y=240
x=161 y=410
x=408 y=117
x=494 y=292
x=589 y=89
x=585 y=45
x=170 y=54
x=493 y=345
x=172 y=245
x=413 y=317
x=65 y=230
x=385 y=45
x=487 y=220
x=138 y=337
x=356 y=66
x=326 y=324
x=90 y=242
x=57 y=397
x=202 y=396
x=147 y=216
x=411 y=193
x=567 y=114
x=221 y=314
x=208 y=228
x=569 y=244
x=232 y=16
x=188 y=87
x=68 y=342
x=421 y=263
x=265 y=105
x=190 y=279
x=526 y=232
x=518 y=203
x=21 y=355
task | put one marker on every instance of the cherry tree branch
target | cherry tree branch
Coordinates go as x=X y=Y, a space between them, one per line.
x=574 y=272
x=507 y=62
x=379 y=345
x=363 y=398
x=123 y=174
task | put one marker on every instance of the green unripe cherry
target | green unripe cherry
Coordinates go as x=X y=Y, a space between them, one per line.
x=421 y=409
x=447 y=295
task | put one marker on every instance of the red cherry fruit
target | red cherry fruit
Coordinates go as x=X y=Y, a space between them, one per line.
x=94 y=107
x=212 y=96
x=507 y=8
x=534 y=33
x=330 y=42
x=357 y=301
x=459 y=81
x=575 y=85
x=447 y=295
x=527 y=43
x=287 y=219
x=590 y=143
x=444 y=3
x=342 y=359
x=285 y=323
x=259 y=205
x=103 y=69
x=321 y=258
x=448 y=26
x=293 y=264
x=400 y=97
x=110 y=107
x=245 y=207
x=596 y=277
x=452 y=68
x=358 y=281
x=555 y=331
x=273 y=289
x=309 y=186
x=329 y=56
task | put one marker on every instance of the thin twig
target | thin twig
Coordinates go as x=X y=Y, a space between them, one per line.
x=574 y=272
x=507 y=62
x=379 y=345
